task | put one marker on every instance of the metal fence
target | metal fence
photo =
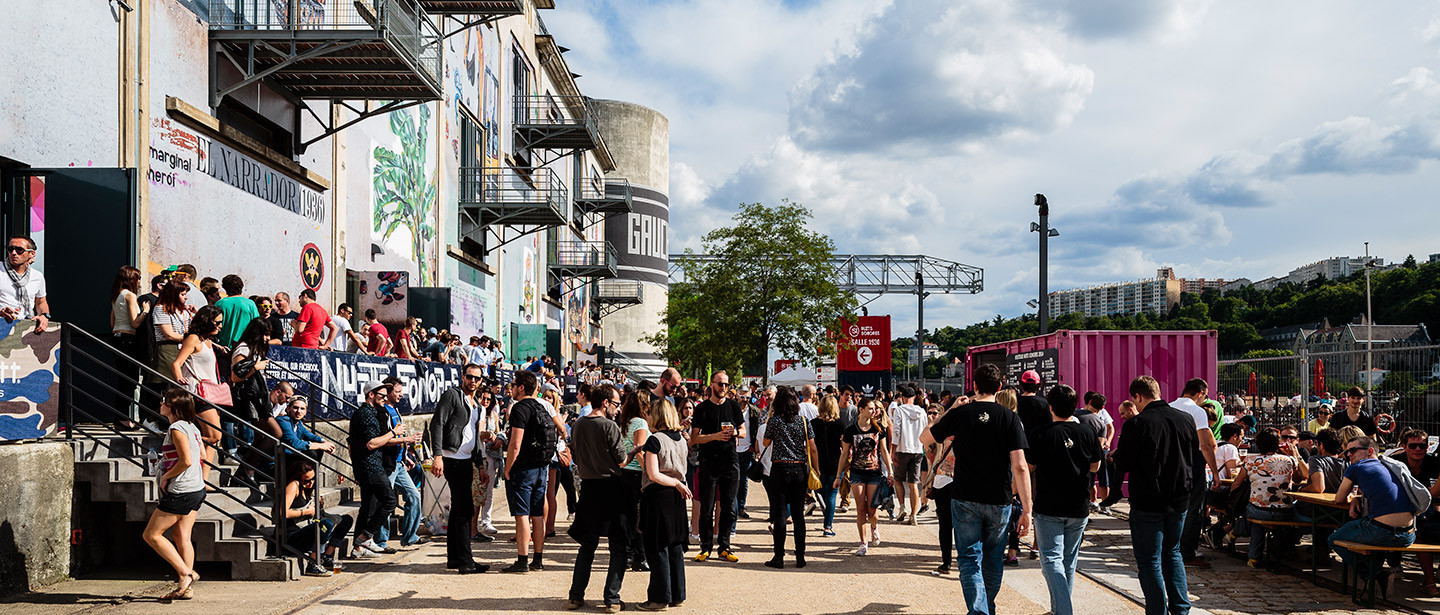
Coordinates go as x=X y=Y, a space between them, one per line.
x=1402 y=384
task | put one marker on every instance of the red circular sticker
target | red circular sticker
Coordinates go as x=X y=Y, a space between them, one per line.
x=312 y=267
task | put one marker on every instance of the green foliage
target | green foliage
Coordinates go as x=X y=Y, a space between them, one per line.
x=404 y=194
x=769 y=285
x=1267 y=353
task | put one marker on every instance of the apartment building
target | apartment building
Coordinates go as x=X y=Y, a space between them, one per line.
x=1154 y=296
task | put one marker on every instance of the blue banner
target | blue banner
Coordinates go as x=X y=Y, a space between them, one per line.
x=343 y=374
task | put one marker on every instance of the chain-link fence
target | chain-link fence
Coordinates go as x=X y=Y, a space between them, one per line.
x=1403 y=386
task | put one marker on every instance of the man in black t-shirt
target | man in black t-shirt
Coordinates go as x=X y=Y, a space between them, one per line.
x=534 y=431
x=1062 y=456
x=716 y=423
x=989 y=443
x=1157 y=448
x=1033 y=409
x=1354 y=413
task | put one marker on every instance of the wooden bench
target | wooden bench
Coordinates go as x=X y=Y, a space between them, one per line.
x=1366 y=596
x=1272 y=561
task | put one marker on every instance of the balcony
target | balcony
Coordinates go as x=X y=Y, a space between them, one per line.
x=603 y=196
x=364 y=50
x=613 y=295
x=512 y=197
x=571 y=259
x=555 y=122
x=478 y=8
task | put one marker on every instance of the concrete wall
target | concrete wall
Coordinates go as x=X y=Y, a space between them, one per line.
x=35 y=517
x=639 y=140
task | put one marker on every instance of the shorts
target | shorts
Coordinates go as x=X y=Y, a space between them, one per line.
x=866 y=477
x=907 y=467
x=1102 y=476
x=181 y=503
x=525 y=492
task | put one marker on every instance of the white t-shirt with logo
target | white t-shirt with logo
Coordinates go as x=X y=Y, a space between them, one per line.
x=342 y=342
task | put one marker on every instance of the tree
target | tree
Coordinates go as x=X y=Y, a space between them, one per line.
x=1410 y=262
x=404 y=195
x=769 y=285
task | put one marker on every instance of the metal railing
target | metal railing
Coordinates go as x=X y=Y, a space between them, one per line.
x=120 y=387
x=574 y=254
x=490 y=186
x=401 y=22
x=619 y=291
x=555 y=111
x=1403 y=385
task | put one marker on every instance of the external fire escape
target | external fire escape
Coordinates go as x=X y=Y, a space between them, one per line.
x=386 y=51
x=614 y=295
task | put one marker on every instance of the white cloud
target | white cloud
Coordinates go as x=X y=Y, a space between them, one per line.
x=935 y=76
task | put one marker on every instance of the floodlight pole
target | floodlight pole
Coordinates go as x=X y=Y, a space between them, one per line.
x=1044 y=229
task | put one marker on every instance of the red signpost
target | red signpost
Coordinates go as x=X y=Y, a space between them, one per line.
x=864 y=345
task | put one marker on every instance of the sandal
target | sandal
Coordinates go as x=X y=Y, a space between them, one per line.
x=185 y=592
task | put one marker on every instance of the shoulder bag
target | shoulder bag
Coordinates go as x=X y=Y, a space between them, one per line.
x=217 y=392
x=812 y=477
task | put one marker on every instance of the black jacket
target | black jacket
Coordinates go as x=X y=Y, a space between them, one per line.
x=446 y=430
x=1157 y=448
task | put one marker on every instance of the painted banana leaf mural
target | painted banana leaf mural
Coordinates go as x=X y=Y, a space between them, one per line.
x=404 y=189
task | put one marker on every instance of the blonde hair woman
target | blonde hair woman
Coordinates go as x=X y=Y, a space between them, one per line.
x=1007 y=398
x=663 y=524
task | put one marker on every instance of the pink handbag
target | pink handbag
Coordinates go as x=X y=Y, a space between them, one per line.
x=217 y=393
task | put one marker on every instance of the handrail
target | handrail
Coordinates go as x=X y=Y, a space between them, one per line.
x=68 y=387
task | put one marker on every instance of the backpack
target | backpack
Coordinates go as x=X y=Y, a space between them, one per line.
x=541 y=423
x=1416 y=492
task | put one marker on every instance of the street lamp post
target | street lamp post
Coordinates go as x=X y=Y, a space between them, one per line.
x=1043 y=227
x=1369 y=337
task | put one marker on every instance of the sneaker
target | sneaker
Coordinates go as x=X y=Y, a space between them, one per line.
x=911 y=521
x=694 y=539
x=1253 y=563
x=1012 y=561
x=874 y=542
x=810 y=509
x=775 y=563
x=702 y=556
x=901 y=518
x=482 y=537
x=744 y=515
x=728 y=556
x=363 y=553
x=842 y=509
x=652 y=606
x=314 y=570
x=575 y=605
x=862 y=549
x=615 y=607
x=1106 y=510
x=827 y=534
x=489 y=529
x=328 y=562
x=676 y=605
x=924 y=507
x=537 y=566
x=940 y=571
x=1034 y=554
x=521 y=566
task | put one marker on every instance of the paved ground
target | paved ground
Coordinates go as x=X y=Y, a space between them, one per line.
x=894 y=579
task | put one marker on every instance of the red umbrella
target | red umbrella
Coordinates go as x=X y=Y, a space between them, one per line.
x=1254 y=387
x=1320 y=375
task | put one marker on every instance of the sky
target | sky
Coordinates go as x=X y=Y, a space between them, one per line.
x=1222 y=138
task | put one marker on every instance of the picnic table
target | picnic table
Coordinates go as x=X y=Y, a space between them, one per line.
x=1323 y=511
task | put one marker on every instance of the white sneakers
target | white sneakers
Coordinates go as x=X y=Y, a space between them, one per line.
x=489 y=529
x=862 y=549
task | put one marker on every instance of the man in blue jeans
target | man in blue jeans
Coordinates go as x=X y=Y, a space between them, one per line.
x=1389 y=519
x=1157 y=448
x=401 y=479
x=992 y=442
x=1062 y=457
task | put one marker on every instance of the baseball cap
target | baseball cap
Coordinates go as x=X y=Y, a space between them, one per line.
x=373 y=385
x=1030 y=376
x=434 y=331
x=549 y=387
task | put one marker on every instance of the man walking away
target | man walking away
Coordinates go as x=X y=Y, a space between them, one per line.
x=1191 y=402
x=906 y=452
x=604 y=498
x=717 y=422
x=533 y=438
x=993 y=442
x=1157 y=448
x=458 y=440
x=1062 y=457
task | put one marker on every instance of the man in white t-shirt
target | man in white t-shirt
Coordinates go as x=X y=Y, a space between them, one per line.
x=22 y=295
x=906 y=450
x=346 y=340
x=808 y=409
x=1189 y=402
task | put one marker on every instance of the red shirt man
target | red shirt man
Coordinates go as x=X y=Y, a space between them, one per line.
x=379 y=337
x=313 y=319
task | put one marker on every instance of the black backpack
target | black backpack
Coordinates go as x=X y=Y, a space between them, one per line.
x=540 y=422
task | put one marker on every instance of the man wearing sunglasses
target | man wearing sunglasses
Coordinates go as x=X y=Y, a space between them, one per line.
x=1389 y=513
x=456 y=436
x=1415 y=455
x=24 y=296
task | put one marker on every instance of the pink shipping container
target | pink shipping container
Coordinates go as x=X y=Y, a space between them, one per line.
x=1105 y=361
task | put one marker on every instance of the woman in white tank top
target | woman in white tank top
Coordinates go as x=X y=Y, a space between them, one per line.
x=125 y=316
x=196 y=363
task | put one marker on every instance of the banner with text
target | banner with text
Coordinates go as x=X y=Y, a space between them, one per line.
x=865 y=345
x=344 y=373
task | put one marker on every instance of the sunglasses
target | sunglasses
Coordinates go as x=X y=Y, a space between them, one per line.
x=1289 y=437
x=1351 y=451
x=17 y=250
x=1417 y=446
x=473 y=378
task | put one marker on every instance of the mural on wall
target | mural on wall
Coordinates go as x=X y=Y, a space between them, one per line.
x=384 y=292
x=577 y=316
x=490 y=100
x=404 y=195
x=529 y=293
x=468 y=308
x=29 y=380
x=312 y=12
